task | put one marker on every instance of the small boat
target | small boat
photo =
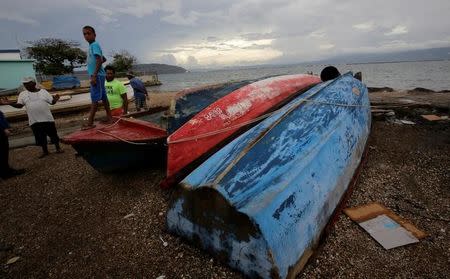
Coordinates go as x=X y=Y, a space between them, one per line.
x=230 y=115
x=262 y=202
x=139 y=139
x=126 y=143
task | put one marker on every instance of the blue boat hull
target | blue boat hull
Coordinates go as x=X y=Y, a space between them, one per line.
x=262 y=202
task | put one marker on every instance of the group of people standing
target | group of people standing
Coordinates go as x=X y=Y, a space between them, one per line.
x=104 y=88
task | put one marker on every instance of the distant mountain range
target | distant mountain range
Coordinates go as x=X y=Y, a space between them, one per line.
x=159 y=68
x=149 y=68
x=400 y=56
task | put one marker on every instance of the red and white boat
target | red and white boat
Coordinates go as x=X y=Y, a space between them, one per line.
x=211 y=128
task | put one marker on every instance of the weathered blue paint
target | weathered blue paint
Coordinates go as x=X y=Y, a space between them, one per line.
x=262 y=201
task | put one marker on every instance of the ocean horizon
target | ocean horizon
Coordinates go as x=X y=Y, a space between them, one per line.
x=434 y=75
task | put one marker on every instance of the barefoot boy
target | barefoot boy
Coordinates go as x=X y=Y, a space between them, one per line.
x=97 y=77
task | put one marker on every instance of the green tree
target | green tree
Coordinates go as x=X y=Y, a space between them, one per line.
x=56 y=56
x=123 y=61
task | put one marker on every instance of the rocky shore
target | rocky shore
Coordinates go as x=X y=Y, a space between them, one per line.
x=62 y=219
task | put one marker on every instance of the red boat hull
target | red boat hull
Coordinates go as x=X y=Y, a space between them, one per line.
x=124 y=129
x=225 y=117
x=128 y=143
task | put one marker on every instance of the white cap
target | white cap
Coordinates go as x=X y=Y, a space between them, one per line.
x=28 y=79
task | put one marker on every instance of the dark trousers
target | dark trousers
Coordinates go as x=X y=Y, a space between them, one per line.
x=43 y=129
x=4 y=154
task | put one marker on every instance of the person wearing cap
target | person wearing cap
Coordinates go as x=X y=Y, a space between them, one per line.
x=5 y=170
x=97 y=74
x=36 y=102
x=116 y=92
x=140 y=92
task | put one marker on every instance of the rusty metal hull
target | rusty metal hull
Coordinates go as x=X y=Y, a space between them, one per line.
x=262 y=202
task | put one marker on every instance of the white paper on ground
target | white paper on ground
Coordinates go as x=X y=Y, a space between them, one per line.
x=407 y=122
x=387 y=232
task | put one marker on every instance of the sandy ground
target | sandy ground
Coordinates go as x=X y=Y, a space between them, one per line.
x=65 y=220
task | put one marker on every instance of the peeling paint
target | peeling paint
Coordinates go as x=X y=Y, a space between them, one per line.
x=284 y=177
x=246 y=103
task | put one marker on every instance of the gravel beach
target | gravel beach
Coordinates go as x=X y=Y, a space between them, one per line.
x=63 y=219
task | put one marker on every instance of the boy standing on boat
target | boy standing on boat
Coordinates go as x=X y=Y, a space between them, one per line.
x=97 y=77
x=40 y=118
x=116 y=92
x=140 y=92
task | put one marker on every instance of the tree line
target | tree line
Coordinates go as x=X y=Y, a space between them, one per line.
x=57 y=56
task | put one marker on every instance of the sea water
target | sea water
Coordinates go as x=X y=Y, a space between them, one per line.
x=434 y=75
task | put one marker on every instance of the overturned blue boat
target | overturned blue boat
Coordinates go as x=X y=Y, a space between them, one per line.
x=262 y=202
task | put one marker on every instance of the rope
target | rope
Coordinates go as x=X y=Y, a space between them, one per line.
x=208 y=134
x=122 y=139
x=117 y=137
x=234 y=127
x=110 y=125
x=336 y=104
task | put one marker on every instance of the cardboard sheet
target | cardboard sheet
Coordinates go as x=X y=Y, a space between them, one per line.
x=431 y=117
x=388 y=232
x=387 y=228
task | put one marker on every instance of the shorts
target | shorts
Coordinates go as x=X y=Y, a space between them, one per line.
x=43 y=129
x=98 y=91
x=140 y=101
x=117 y=112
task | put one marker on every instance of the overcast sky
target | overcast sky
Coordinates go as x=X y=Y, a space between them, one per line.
x=216 y=33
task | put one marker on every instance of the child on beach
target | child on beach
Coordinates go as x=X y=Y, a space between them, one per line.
x=97 y=77
x=36 y=101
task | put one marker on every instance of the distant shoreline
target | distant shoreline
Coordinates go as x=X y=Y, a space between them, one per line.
x=393 y=62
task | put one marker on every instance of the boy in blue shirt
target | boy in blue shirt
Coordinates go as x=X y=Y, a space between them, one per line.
x=97 y=77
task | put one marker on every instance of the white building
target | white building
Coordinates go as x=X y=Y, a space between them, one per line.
x=10 y=54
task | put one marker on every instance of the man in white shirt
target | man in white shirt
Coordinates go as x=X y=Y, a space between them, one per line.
x=40 y=118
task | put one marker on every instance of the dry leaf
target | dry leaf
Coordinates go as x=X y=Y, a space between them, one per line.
x=12 y=260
